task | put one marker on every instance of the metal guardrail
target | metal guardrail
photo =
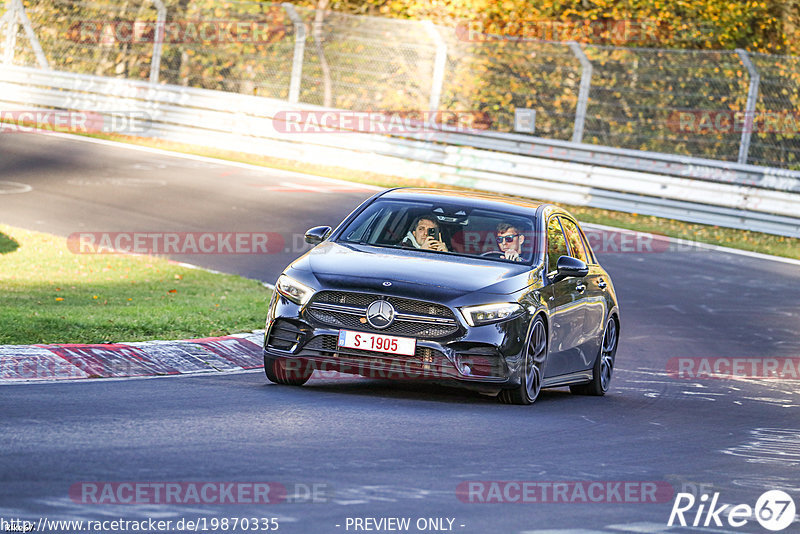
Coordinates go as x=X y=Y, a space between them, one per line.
x=639 y=160
x=696 y=190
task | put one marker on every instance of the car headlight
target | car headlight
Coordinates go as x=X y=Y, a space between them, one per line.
x=293 y=290
x=490 y=313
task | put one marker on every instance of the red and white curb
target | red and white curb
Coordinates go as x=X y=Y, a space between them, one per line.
x=35 y=363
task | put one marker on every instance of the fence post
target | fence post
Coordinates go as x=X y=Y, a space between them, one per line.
x=299 y=52
x=583 y=93
x=10 y=20
x=439 y=65
x=22 y=17
x=158 y=41
x=750 y=107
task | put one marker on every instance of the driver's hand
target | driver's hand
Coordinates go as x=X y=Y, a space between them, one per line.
x=432 y=244
x=439 y=245
x=512 y=255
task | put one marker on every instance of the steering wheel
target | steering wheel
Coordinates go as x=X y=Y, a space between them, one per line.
x=493 y=253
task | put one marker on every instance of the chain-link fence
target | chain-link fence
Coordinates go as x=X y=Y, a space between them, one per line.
x=367 y=63
x=500 y=76
x=698 y=103
x=637 y=97
x=779 y=94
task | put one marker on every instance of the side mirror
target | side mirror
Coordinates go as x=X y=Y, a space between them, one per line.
x=316 y=235
x=567 y=266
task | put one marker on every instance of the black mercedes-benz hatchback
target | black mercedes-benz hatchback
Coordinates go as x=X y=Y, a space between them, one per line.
x=499 y=295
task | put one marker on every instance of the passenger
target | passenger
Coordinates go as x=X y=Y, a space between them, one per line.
x=425 y=233
x=510 y=241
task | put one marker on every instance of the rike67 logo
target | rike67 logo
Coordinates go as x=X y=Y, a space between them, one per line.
x=774 y=510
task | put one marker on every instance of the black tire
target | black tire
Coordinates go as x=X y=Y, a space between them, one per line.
x=288 y=372
x=603 y=364
x=535 y=357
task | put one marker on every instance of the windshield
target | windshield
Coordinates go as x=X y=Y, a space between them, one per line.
x=444 y=229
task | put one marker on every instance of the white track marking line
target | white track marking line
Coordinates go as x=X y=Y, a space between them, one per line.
x=207 y=159
x=18 y=188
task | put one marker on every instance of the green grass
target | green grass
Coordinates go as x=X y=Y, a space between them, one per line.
x=7 y=244
x=50 y=295
x=714 y=235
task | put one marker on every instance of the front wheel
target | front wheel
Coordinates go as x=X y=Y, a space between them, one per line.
x=288 y=372
x=535 y=357
x=603 y=365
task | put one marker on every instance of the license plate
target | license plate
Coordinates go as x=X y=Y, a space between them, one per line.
x=377 y=342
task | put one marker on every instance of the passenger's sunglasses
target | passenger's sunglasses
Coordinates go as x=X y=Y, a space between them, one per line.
x=507 y=238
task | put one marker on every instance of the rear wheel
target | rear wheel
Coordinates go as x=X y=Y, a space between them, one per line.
x=603 y=365
x=287 y=371
x=535 y=357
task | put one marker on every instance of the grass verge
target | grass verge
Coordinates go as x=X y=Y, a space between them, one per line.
x=714 y=235
x=50 y=295
x=7 y=244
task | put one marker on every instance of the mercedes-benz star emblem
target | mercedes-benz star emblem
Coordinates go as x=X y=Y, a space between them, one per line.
x=380 y=314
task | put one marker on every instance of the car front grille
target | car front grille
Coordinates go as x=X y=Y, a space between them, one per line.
x=414 y=318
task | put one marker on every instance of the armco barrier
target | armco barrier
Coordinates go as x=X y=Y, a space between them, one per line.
x=690 y=189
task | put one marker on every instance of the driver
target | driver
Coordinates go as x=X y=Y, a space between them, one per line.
x=424 y=233
x=510 y=241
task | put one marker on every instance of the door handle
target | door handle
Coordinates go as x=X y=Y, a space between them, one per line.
x=580 y=287
x=602 y=284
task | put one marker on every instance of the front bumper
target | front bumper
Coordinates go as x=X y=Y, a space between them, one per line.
x=485 y=358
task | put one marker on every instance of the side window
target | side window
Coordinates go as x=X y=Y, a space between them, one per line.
x=392 y=228
x=574 y=240
x=556 y=245
x=589 y=251
x=361 y=228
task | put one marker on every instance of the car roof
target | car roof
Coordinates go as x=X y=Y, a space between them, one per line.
x=482 y=200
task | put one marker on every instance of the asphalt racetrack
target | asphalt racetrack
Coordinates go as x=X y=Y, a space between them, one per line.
x=358 y=449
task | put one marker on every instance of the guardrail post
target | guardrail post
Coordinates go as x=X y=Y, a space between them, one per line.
x=299 y=52
x=750 y=107
x=583 y=93
x=158 y=41
x=439 y=65
x=10 y=23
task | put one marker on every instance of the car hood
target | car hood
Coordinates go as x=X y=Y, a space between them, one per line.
x=365 y=267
